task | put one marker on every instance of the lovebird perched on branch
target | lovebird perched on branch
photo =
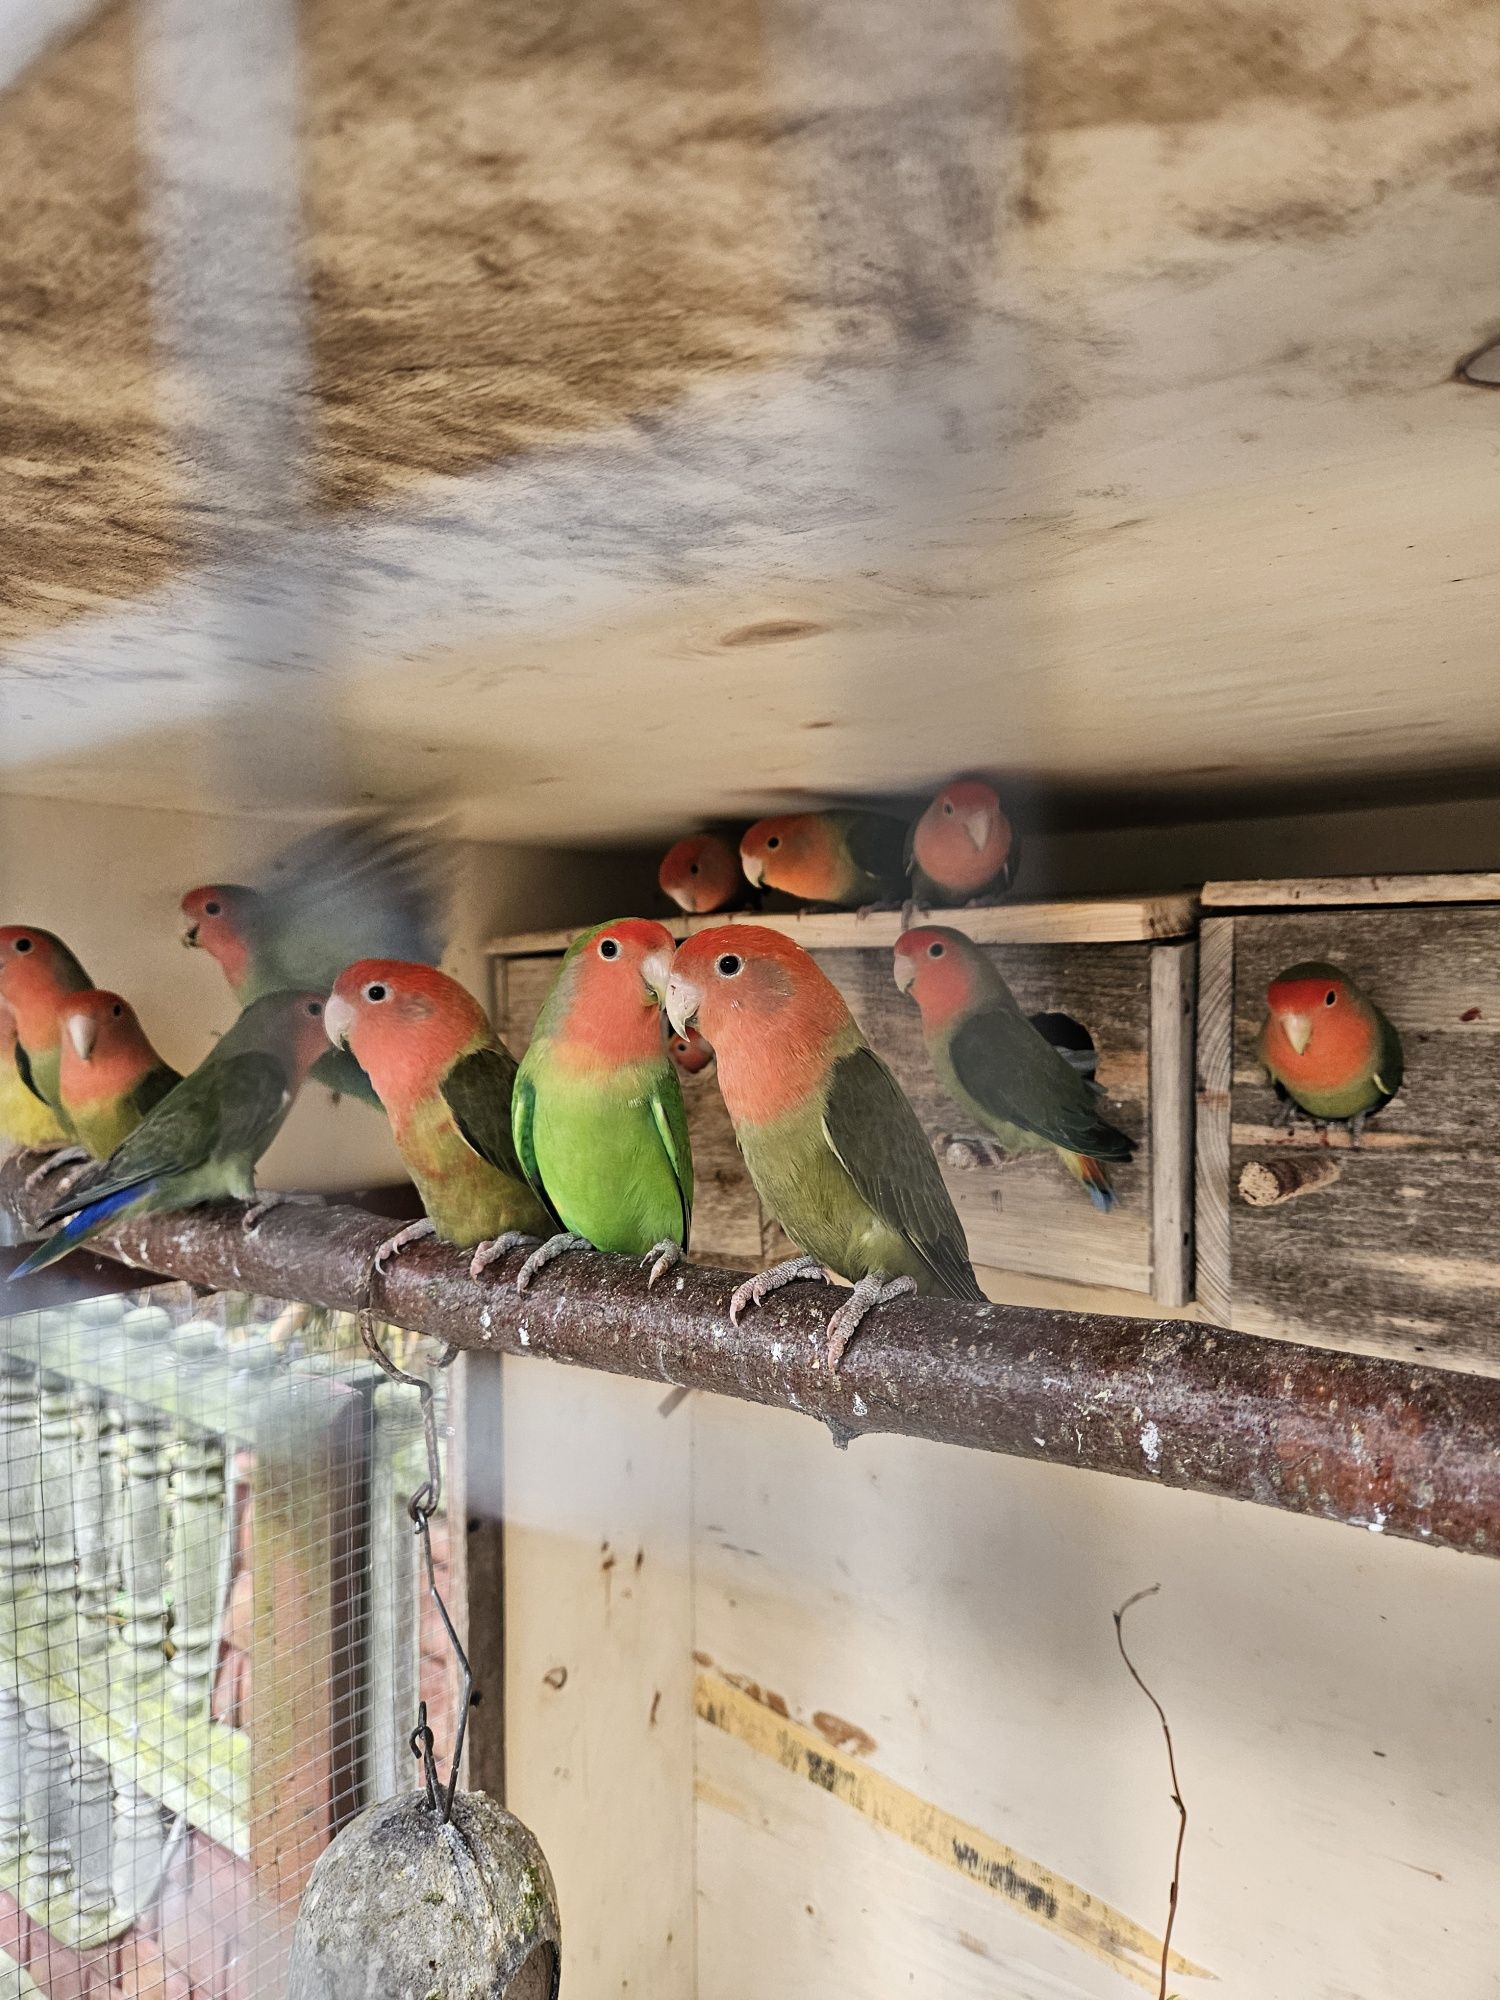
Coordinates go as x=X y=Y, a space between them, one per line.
x=835 y=1150
x=701 y=874
x=37 y=973
x=445 y=1079
x=962 y=846
x=598 y=1117
x=364 y=888
x=203 y=1140
x=1327 y=1046
x=109 y=1076
x=994 y=1063
x=25 y=1120
x=841 y=858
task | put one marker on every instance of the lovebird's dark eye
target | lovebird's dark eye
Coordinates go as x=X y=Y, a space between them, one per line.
x=375 y=991
x=315 y=1008
x=948 y=807
x=692 y=868
x=609 y=947
x=117 y=1010
x=774 y=841
x=23 y=944
x=1329 y=997
x=934 y=951
x=727 y=964
x=211 y=909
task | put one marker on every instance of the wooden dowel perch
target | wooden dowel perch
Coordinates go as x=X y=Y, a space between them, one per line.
x=1378 y=1444
x=1268 y=1183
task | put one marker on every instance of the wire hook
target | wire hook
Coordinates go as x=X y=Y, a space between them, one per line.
x=421 y=1507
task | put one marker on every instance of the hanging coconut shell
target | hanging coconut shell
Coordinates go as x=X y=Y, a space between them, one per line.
x=403 y=1907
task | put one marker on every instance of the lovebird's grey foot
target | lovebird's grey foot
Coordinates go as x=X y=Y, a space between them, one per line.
x=490 y=1251
x=1357 y=1127
x=755 y=1291
x=262 y=1205
x=555 y=1246
x=867 y=1294
x=661 y=1257
x=65 y=1156
x=414 y=1232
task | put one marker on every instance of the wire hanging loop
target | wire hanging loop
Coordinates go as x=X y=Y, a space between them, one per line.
x=421 y=1507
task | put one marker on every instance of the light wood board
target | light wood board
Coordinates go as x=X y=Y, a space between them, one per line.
x=1351 y=891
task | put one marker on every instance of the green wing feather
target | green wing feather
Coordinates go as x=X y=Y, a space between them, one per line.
x=478 y=1091
x=1391 y=1063
x=224 y=1109
x=523 y=1132
x=24 y=1071
x=1015 y=1074
x=154 y=1086
x=670 y=1117
x=881 y=1146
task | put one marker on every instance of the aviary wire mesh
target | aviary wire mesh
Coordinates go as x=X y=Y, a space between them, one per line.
x=213 y=1633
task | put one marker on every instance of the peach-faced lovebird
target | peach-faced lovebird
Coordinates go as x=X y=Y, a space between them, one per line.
x=109 y=1076
x=598 y=1116
x=962 y=846
x=841 y=858
x=445 y=1079
x=26 y=1121
x=202 y=1141
x=997 y=1066
x=834 y=1148
x=37 y=973
x=364 y=888
x=1327 y=1047
x=701 y=874
x=690 y=1052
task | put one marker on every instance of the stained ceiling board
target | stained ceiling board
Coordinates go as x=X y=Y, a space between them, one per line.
x=690 y=411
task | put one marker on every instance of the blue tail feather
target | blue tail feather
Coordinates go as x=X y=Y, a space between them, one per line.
x=78 y=1226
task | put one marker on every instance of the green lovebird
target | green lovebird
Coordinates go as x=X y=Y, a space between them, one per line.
x=110 y=1076
x=203 y=1140
x=597 y=1114
x=446 y=1081
x=994 y=1063
x=835 y=1150
x=364 y=888
x=1327 y=1047
x=37 y=974
x=841 y=858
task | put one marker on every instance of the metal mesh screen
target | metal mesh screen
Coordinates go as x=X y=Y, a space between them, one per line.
x=212 y=1633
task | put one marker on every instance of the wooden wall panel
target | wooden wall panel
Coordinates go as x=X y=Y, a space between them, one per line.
x=1396 y=1250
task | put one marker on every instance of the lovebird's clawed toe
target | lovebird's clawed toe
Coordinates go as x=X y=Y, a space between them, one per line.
x=662 y=1257
x=545 y=1254
x=496 y=1247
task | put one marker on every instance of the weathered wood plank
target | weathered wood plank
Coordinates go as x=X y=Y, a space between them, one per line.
x=1401 y=1241
x=1170 y=1082
x=1214 y=1056
x=476 y=1544
x=308 y=1565
x=1351 y=891
x=1090 y=920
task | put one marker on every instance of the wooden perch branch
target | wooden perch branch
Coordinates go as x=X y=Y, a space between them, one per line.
x=1407 y=1451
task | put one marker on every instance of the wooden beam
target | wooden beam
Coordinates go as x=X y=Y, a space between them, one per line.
x=1377 y=1444
x=1090 y=920
x=1351 y=892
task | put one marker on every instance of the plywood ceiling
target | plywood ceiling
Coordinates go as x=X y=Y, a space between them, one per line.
x=664 y=411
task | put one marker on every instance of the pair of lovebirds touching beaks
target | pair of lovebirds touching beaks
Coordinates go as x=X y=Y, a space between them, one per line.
x=585 y=1142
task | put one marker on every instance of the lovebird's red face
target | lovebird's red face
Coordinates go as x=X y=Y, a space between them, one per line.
x=404 y=1024
x=616 y=980
x=793 y=853
x=699 y=874
x=962 y=839
x=933 y=964
x=33 y=980
x=307 y=1037
x=216 y=917
x=104 y=1052
x=765 y=1007
x=1320 y=1027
